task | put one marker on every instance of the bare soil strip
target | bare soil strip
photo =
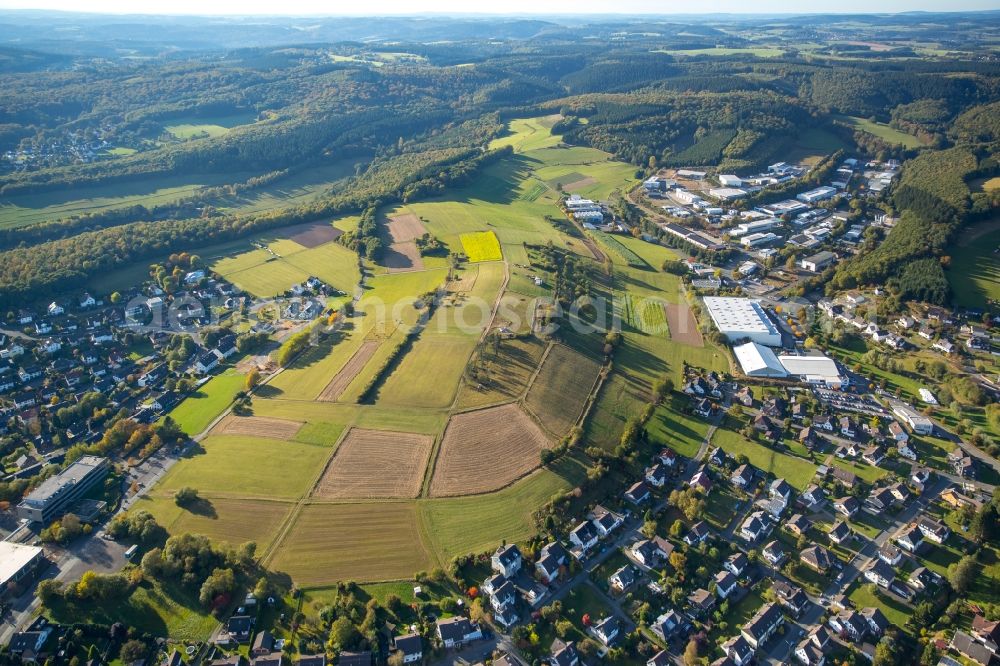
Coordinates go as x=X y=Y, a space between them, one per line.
x=404 y=228
x=579 y=184
x=486 y=450
x=354 y=365
x=683 y=325
x=258 y=426
x=402 y=257
x=314 y=234
x=376 y=464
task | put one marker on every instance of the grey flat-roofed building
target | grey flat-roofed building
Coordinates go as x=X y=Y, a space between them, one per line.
x=56 y=495
x=742 y=318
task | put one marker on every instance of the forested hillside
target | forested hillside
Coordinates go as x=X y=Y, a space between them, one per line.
x=414 y=117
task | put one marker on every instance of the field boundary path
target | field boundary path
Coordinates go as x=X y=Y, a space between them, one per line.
x=496 y=302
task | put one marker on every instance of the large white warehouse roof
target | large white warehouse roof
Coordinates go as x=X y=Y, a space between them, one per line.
x=738 y=318
x=758 y=361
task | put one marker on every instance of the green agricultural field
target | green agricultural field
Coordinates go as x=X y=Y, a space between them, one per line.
x=482 y=246
x=24 y=209
x=560 y=390
x=233 y=521
x=212 y=398
x=197 y=128
x=526 y=134
x=621 y=251
x=882 y=131
x=974 y=273
x=429 y=373
x=796 y=471
x=475 y=524
x=328 y=543
x=240 y=466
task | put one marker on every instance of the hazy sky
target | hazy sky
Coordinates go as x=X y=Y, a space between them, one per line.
x=383 y=7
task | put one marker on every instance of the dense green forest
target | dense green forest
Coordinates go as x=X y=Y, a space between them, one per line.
x=417 y=123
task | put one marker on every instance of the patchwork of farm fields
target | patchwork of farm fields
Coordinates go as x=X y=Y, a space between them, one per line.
x=375 y=455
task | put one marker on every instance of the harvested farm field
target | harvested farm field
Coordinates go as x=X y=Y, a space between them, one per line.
x=330 y=543
x=404 y=228
x=346 y=374
x=485 y=450
x=314 y=234
x=376 y=463
x=258 y=426
x=402 y=257
x=683 y=326
x=559 y=392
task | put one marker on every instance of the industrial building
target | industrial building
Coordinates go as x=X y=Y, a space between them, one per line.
x=742 y=319
x=729 y=180
x=727 y=193
x=919 y=423
x=56 y=495
x=819 y=369
x=17 y=562
x=819 y=194
x=758 y=361
x=819 y=261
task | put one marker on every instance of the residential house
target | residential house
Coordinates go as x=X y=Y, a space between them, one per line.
x=551 y=560
x=880 y=573
x=743 y=476
x=701 y=480
x=702 y=601
x=457 y=631
x=412 y=647
x=263 y=644
x=563 y=653
x=847 y=506
x=849 y=624
x=874 y=455
x=934 y=530
x=790 y=596
x=877 y=621
x=962 y=463
x=725 y=584
x=765 y=622
x=638 y=493
x=605 y=521
x=238 y=629
x=986 y=632
x=811 y=651
x=608 y=630
x=890 y=554
x=923 y=578
x=667 y=624
x=754 y=526
x=898 y=433
x=737 y=563
x=798 y=524
x=817 y=558
x=813 y=497
x=744 y=396
x=910 y=538
x=506 y=560
x=656 y=475
x=880 y=500
x=650 y=552
x=661 y=658
x=738 y=650
x=667 y=457
x=808 y=438
x=971 y=649
x=774 y=553
x=622 y=579
x=848 y=428
x=584 y=536
x=698 y=533
x=823 y=422
x=840 y=532
x=205 y=363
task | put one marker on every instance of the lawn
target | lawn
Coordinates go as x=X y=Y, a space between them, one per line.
x=583 y=600
x=796 y=471
x=239 y=466
x=150 y=609
x=974 y=272
x=328 y=543
x=481 y=246
x=197 y=411
x=865 y=596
